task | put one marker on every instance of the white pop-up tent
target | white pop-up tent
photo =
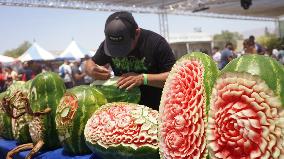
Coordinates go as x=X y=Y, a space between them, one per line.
x=74 y=51
x=36 y=53
x=6 y=59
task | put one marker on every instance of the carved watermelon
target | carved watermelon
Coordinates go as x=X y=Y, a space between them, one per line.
x=123 y=130
x=45 y=92
x=17 y=93
x=5 y=122
x=114 y=94
x=184 y=105
x=75 y=108
x=246 y=118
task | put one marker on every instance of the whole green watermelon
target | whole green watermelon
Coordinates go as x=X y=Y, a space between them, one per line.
x=5 y=122
x=45 y=92
x=114 y=94
x=75 y=108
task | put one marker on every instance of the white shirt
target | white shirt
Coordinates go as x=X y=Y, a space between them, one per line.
x=68 y=72
x=217 y=57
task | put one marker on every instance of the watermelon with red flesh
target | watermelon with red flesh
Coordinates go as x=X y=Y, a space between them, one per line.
x=184 y=105
x=123 y=130
x=246 y=118
x=75 y=108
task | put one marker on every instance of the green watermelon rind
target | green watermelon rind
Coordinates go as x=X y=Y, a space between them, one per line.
x=76 y=143
x=6 y=122
x=266 y=68
x=23 y=135
x=124 y=152
x=114 y=94
x=46 y=91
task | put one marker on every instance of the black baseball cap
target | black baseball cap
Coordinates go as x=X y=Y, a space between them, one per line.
x=120 y=30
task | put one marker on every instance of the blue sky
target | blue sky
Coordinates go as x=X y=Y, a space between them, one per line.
x=53 y=29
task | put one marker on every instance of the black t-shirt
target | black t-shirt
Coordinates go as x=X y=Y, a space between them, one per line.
x=152 y=55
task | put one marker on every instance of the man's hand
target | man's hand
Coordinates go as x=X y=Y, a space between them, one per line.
x=97 y=72
x=130 y=80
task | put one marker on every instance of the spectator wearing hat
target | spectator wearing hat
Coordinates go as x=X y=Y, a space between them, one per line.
x=140 y=57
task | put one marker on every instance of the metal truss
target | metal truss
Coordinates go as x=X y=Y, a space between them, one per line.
x=177 y=7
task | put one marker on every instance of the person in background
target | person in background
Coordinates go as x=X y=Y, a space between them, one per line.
x=216 y=54
x=248 y=47
x=87 y=79
x=10 y=73
x=205 y=51
x=65 y=72
x=275 y=53
x=140 y=57
x=77 y=74
x=258 y=48
x=281 y=54
x=9 y=77
x=2 y=78
x=45 y=68
x=227 y=55
x=26 y=73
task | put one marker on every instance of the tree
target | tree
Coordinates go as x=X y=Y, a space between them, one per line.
x=19 y=50
x=221 y=39
x=270 y=41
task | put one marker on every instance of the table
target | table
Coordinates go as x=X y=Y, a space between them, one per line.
x=7 y=145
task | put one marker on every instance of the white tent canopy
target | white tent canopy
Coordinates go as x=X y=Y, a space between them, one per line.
x=36 y=53
x=6 y=59
x=74 y=51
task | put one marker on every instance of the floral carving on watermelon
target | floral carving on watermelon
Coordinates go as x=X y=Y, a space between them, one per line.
x=124 y=124
x=246 y=119
x=183 y=112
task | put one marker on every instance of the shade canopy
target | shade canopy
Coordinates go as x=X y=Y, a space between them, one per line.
x=6 y=59
x=74 y=51
x=36 y=53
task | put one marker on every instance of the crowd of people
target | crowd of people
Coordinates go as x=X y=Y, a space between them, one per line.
x=142 y=58
x=72 y=72
x=250 y=46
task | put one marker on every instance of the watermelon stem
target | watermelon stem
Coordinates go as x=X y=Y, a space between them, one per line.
x=35 y=148
x=46 y=111
x=18 y=149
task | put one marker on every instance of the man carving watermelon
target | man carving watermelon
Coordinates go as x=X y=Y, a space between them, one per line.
x=140 y=57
